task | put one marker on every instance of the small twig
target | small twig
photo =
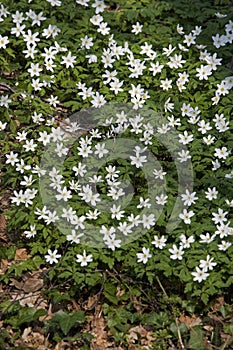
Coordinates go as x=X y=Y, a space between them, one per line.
x=179 y=334
x=229 y=341
x=6 y=87
x=161 y=286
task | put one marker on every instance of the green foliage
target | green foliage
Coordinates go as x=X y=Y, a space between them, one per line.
x=65 y=321
x=26 y=315
x=126 y=276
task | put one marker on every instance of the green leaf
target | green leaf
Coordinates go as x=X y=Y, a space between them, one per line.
x=110 y=293
x=26 y=315
x=67 y=321
x=196 y=339
x=7 y=253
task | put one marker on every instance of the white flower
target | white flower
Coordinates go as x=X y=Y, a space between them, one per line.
x=68 y=60
x=29 y=145
x=92 y=215
x=219 y=217
x=86 y=42
x=51 y=217
x=144 y=256
x=138 y=160
x=74 y=237
x=207 y=264
x=180 y=29
x=36 y=84
x=223 y=230
x=166 y=84
x=3 y=41
x=207 y=238
x=189 y=39
x=52 y=256
x=159 y=174
x=5 y=100
x=224 y=245
x=189 y=198
x=111 y=241
x=183 y=156
x=134 y=220
x=185 y=216
x=185 y=138
x=185 y=242
x=12 y=158
x=211 y=193
x=28 y=181
x=98 y=100
x=124 y=228
x=161 y=200
x=219 y=40
x=100 y=150
x=216 y=164
x=64 y=194
x=92 y=58
x=200 y=275
x=175 y=61
x=116 y=212
x=80 y=170
x=221 y=153
x=2 y=126
x=103 y=29
x=159 y=242
x=137 y=28
x=99 y=6
x=96 y=20
x=220 y=15
x=176 y=253
x=84 y=259
x=115 y=85
x=204 y=127
x=168 y=106
x=34 y=70
x=148 y=221
x=156 y=68
x=204 y=72
x=31 y=233
x=21 y=166
x=208 y=140
x=163 y=129
x=169 y=50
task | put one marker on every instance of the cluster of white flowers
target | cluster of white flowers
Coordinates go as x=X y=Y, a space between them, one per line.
x=52 y=59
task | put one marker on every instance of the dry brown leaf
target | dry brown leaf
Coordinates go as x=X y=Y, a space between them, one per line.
x=17 y=284
x=75 y=305
x=32 y=284
x=99 y=331
x=4 y=264
x=208 y=328
x=143 y=337
x=91 y=301
x=2 y=222
x=218 y=303
x=30 y=299
x=190 y=321
x=120 y=291
x=32 y=339
x=137 y=305
x=25 y=334
x=21 y=254
x=49 y=315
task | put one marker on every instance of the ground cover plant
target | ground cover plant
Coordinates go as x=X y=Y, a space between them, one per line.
x=116 y=174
